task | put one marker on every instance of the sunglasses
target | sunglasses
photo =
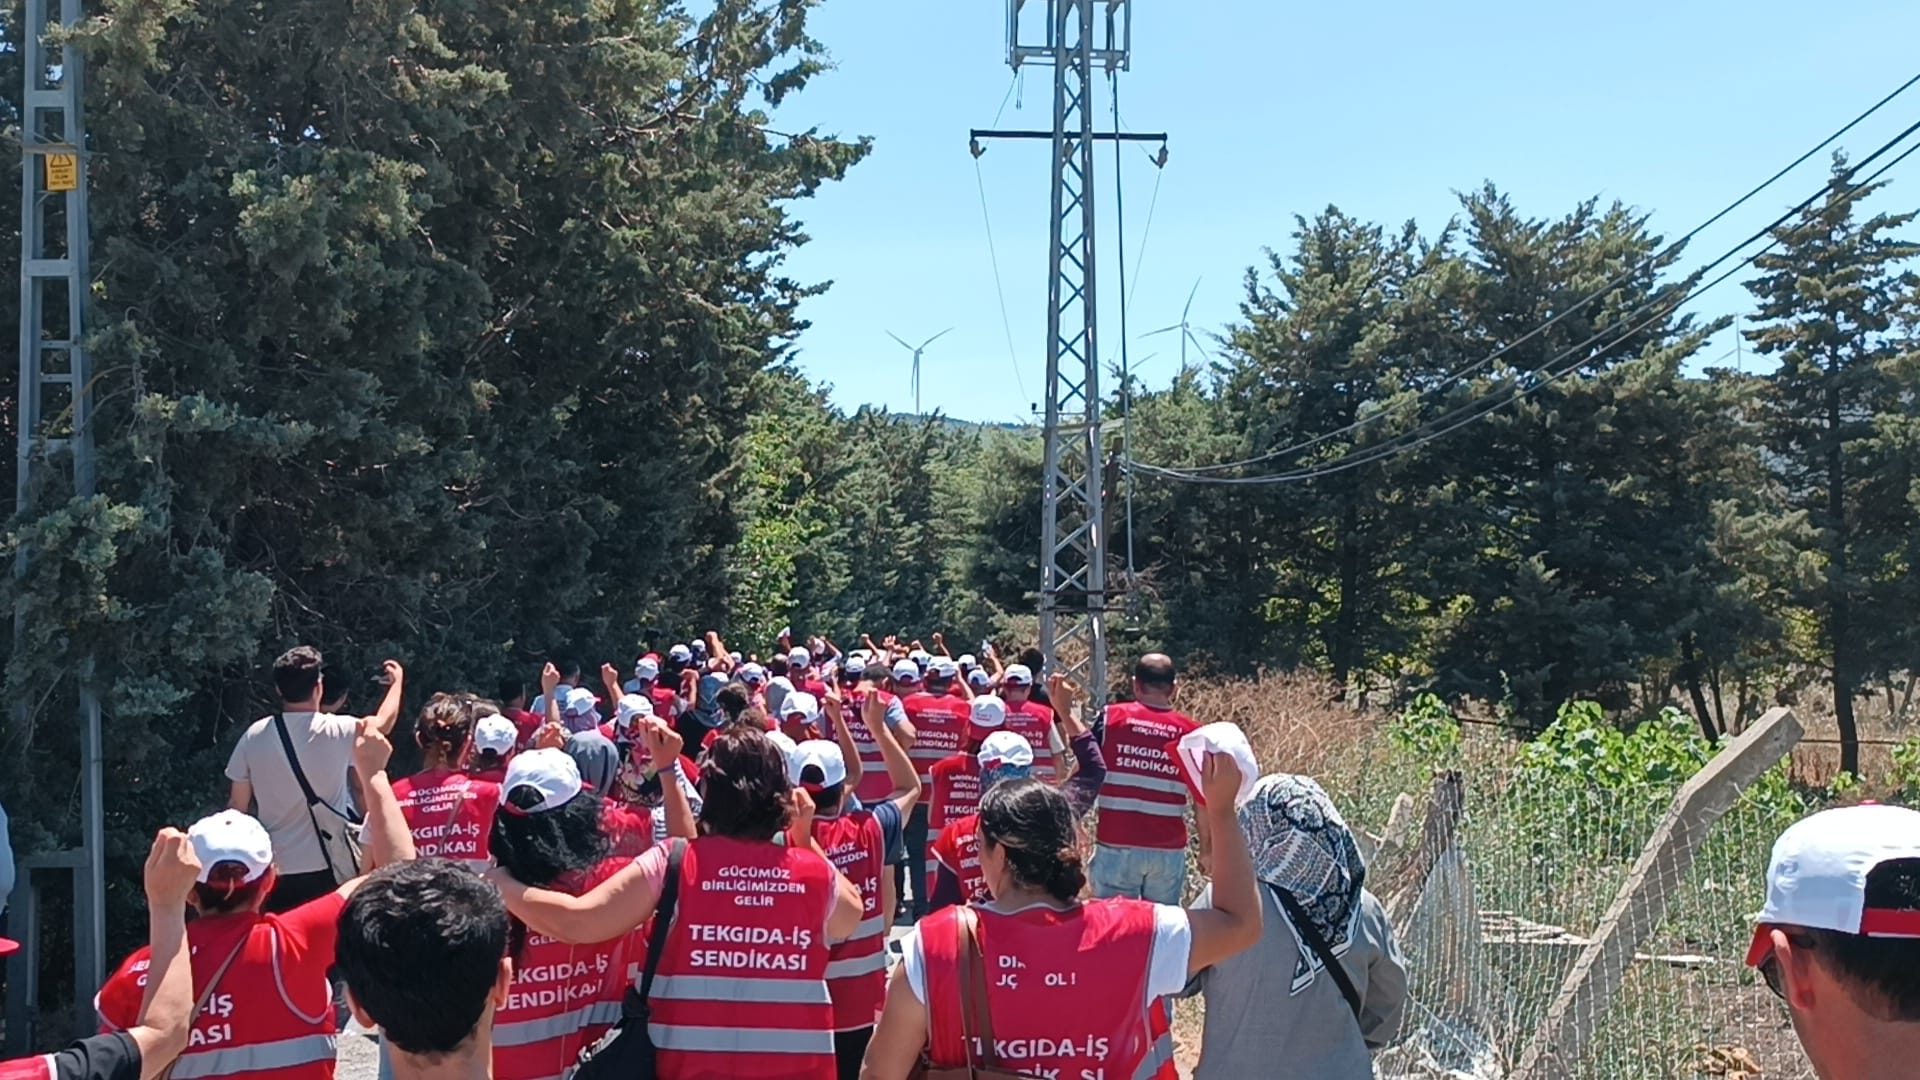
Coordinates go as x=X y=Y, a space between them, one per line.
x=1770 y=967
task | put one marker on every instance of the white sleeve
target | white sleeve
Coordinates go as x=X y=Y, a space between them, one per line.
x=1054 y=742
x=913 y=965
x=1172 y=949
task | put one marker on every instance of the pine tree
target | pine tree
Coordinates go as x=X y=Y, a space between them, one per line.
x=1831 y=305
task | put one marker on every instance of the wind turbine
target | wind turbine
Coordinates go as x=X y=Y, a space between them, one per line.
x=916 y=360
x=1184 y=327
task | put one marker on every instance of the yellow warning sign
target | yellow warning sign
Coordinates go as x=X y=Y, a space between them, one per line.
x=63 y=172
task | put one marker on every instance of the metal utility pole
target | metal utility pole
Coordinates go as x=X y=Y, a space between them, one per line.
x=1077 y=37
x=55 y=393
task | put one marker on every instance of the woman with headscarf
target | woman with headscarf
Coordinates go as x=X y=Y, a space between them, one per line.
x=1276 y=1010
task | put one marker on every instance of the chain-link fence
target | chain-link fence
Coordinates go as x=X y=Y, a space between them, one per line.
x=1494 y=917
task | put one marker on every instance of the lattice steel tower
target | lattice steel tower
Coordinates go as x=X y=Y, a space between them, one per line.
x=55 y=436
x=1077 y=38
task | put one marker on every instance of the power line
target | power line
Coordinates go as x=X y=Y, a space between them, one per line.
x=1466 y=414
x=1126 y=357
x=999 y=288
x=1671 y=249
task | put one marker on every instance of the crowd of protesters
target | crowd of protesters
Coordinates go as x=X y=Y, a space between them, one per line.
x=824 y=864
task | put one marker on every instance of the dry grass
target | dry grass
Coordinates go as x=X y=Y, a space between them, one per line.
x=1298 y=723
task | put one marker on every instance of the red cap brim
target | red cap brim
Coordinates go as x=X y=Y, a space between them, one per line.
x=8 y=946
x=1762 y=946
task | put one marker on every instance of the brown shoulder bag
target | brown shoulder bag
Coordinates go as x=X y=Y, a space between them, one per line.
x=976 y=1018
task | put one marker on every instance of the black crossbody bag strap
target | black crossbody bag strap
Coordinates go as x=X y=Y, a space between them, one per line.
x=306 y=789
x=662 y=919
x=1311 y=934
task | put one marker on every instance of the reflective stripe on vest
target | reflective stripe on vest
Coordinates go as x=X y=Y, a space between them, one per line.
x=855 y=966
x=739 y=988
x=1148 y=783
x=524 y=1032
x=1159 y=1057
x=736 y=1040
x=868 y=928
x=1141 y=806
x=260 y=1057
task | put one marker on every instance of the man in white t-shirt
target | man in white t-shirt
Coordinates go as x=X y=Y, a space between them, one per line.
x=262 y=775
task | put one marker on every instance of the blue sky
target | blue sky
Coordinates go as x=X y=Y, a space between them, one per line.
x=1384 y=109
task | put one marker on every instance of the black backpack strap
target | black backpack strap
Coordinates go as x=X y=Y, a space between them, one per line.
x=663 y=915
x=1311 y=935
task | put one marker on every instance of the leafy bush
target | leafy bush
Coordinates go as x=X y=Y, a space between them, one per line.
x=1428 y=730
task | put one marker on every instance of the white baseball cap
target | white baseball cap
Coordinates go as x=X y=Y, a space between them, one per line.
x=943 y=667
x=680 y=654
x=1818 y=876
x=647 y=670
x=785 y=743
x=1005 y=748
x=920 y=657
x=855 y=666
x=800 y=703
x=495 y=734
x=578 y=702
x=979 y=678
x=989 y=711
x=550 y=772
x=632 y=709
x=822 y=755
x=1018 y=675
x=231 y=836
x=753 y=674
x=906 y=671
x=967 y=661
x=799 y=658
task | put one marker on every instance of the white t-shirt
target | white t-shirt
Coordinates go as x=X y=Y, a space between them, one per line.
x=1166 y=971
x=325 y=745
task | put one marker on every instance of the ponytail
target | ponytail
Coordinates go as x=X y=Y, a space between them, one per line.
x=1033 y=823
x=445 y=728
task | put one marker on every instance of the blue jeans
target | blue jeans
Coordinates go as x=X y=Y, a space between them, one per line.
x=1139 y=873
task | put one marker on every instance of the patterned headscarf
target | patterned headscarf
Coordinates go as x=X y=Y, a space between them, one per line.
x=1301 y=844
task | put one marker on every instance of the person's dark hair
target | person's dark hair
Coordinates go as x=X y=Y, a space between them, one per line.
x=744 y=786
x=297 y=673
x=512 y=689
x=1886 y=970
x=445 y=727
x=1154 y=669
x=733 y=700
x=226 y=889
x=776 y=666
x=1033 y=823
x=420 y=948
x=1032 y=659
x=540 y=849
x=569 y=670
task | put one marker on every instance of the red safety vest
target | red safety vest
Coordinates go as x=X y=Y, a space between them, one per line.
x=742 y=988
x=958 y=849
x=1066 y=989
x=857 y=967
x=1033 y=722
x=271 y=1014
x=449 y=813
x=563 y=997
x=940 y=725
x=874 y=784
x=1143 y=802
x=954 y=793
